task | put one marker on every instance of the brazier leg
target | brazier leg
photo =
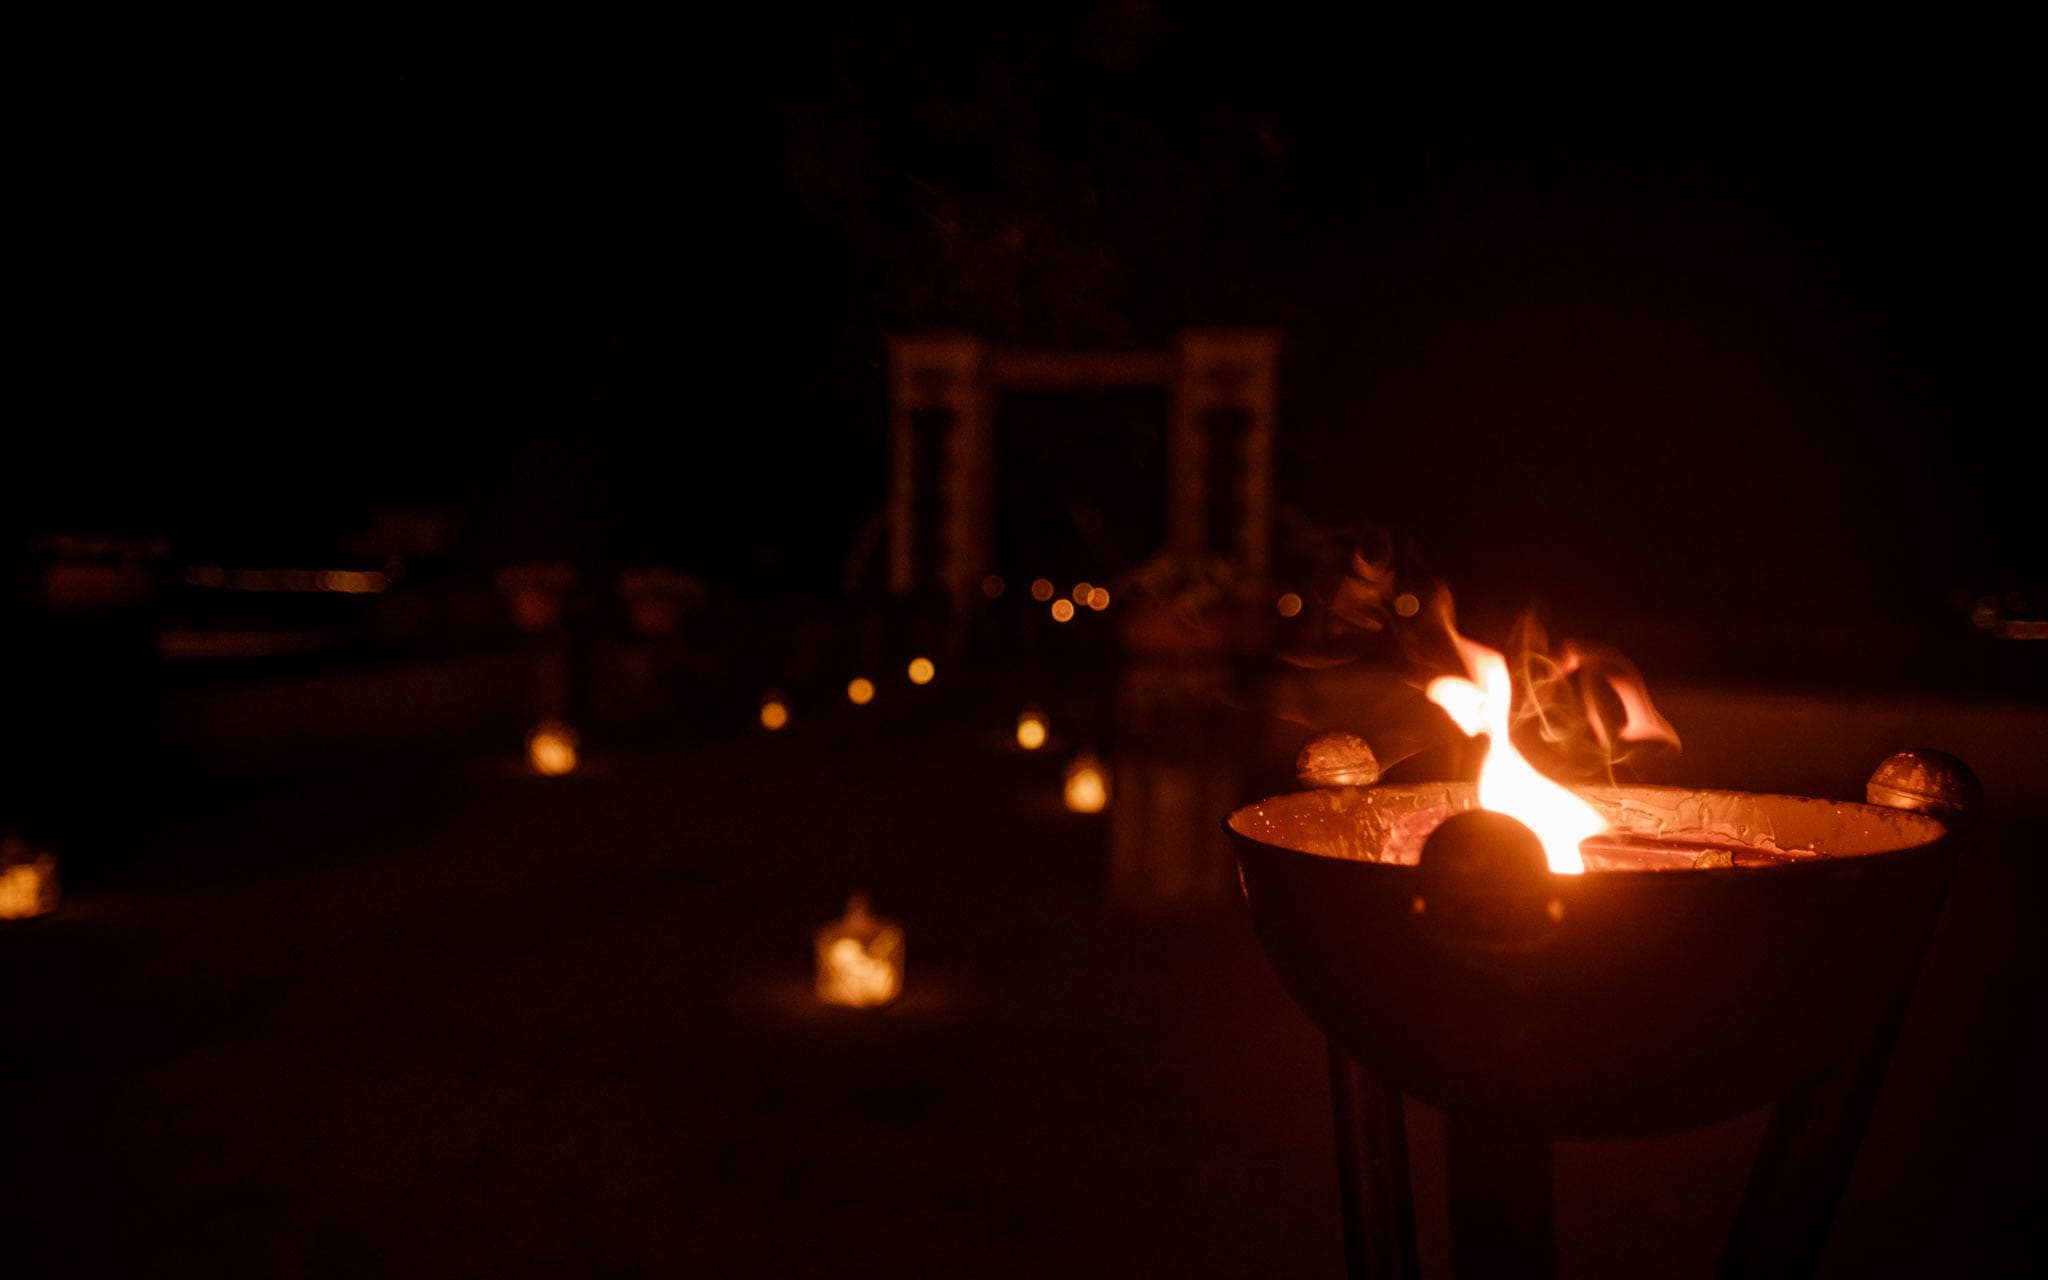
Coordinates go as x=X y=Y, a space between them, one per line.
x=1503 y=1201
x=1803 y=1166
x=1809 y=1148
x=1372 y=1173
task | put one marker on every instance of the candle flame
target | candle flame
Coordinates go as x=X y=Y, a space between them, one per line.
x=854 y=977
x=859 y=958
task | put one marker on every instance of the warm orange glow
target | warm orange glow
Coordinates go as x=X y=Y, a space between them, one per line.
x=1041 y=589
x=1087 y=785
x=655 y=615
x=1508 y=783
x=774 y=714
x=1287 y=605
x=1063 y=611
x=535 y=610
x=551 y=749
x=1098 y=599
x=922 y=671
x=1081 y=590
x=1031 y=730
x=351 y=583
x=992 y=586
x=859 y=958
x=347 y=581
x=28 y=880
x=860 y=691
x=1407 y=605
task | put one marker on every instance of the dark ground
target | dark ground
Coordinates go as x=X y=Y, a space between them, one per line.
x=449 y=1019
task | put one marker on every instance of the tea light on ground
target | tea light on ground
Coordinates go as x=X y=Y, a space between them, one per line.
x=860 y=691
x=28 y=880
x=1087 y=785
x=922 y=671
x=774 y=714
x=859 y=958
x=551 y=749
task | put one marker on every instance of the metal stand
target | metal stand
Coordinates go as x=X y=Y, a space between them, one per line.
x=1809 y=1150
x=1372 y=1173
x=1503 y=1209
x=1503 y=1206
x=1502 y=1198
x=1499 y=1164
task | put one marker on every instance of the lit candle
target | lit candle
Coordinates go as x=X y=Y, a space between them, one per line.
x=551 y=749
x=1087 y=785
x=28 y=880
x=859 y=958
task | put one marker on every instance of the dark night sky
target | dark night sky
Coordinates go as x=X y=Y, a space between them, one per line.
x=1748 y=305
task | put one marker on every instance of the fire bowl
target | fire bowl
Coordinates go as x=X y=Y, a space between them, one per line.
x=1608 y=1005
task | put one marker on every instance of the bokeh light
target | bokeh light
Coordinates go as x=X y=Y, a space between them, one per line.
x=1087 y=785
x=551 y=749
x=1031 y=729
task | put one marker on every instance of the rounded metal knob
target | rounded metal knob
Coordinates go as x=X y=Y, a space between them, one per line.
x=1336 y=758
x=1931 y=782
x=1484 y=851
x=1486 y=886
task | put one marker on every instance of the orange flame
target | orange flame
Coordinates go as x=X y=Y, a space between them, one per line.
x=1508 y=783
x=1573 y=700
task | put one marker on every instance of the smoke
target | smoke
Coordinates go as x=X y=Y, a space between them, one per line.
x=1582 y=710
